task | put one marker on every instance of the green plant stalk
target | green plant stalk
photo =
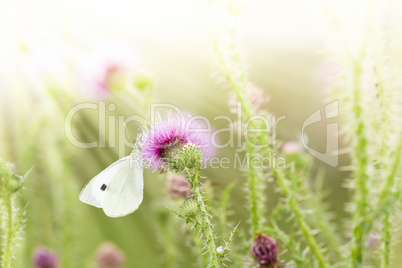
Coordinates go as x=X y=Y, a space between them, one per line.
x=386 y=224
x=320 y=221
x=8 y=227
x=386 y=241
x=324 y=225
x=235 y=74
x=206 y=225
x=238 y=81
x=296 y=210
x=224 y=207
x=360 y=223
x=361 y=226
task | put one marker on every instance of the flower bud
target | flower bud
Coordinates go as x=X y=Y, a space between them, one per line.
x=109 y=256
x=183 y=157
x=44 y=258
x=189 y=211
x=265 y=251
x=9 y=182
x=178 y=187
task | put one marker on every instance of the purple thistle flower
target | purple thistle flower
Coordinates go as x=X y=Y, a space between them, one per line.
x=109 y=256
x=44 y=258
x=158 y=139
x=265 y=251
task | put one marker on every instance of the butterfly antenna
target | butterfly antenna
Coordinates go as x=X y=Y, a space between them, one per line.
x=128 y=134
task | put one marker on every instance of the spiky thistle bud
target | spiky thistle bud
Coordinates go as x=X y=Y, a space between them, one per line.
x=189 y=211
x=265 y=250
x=9 y=182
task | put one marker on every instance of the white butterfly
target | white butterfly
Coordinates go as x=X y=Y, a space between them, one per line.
x=118 y=189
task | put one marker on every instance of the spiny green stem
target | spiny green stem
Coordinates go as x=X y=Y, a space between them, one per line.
x=9 y=235
x=295 y=208
x=386 y=240
x=234 y=71
x=206 y=225
x=256 y=214
x=320 y=220
x=390 y=179
x=386 y=224
x=360 y=224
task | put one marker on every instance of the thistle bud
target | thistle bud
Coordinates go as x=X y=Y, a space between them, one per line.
x=265 y=251
x=189 y=211
x=9 y=182
x=44 y=258
x=183 y=157
x=109 y=256
x=178 y=187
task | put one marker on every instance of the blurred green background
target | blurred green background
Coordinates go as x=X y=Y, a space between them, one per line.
x=282 y=41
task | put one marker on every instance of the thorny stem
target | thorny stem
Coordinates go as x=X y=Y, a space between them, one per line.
x=8 y=227
x=230 y=61
x=295 y=208
x=389 y=184
x=234 y=71
x=361 y=226
x=206 y=225
x=386 y=240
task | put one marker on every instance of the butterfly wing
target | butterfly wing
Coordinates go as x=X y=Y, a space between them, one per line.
x=94 y=191
x=125 y=191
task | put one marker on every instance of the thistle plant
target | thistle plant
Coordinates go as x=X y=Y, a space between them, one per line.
x=227 y=55
x=12 y=218
x=175 y=145
x=290 y=218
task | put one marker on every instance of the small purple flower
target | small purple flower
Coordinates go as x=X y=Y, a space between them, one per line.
x=44 y=258
x=265 y=251
x=109 y=256
x=178 y=187
x=175 y=132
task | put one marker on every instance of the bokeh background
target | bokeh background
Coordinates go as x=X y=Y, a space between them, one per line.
x=50 y=49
